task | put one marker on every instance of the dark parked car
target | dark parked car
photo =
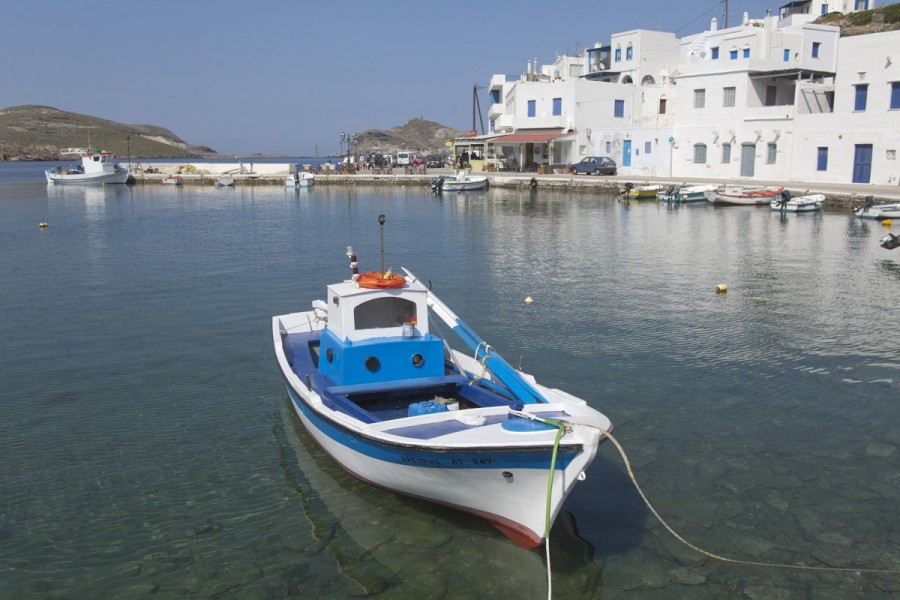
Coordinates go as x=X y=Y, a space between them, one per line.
x=434 y=161
x=596 y=165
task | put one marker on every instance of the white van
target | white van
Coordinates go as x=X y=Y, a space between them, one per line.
x=404 y=158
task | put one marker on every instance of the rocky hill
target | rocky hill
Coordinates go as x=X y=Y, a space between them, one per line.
x=39 y=132
x=419 y=135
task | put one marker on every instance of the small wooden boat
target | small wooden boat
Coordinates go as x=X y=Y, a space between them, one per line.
x=675 y=194
x=870 y=210
x=642 y=192
x=173 y=180
x=395 y=406
x=299 y=179
x=97 y=168
x=798 y=204
x=461 y=182
x=225 y=181
x=744 y=196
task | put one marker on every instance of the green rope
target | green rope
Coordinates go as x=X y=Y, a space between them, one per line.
x=559 y=434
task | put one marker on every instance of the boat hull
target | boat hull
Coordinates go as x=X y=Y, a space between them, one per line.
x=801 y=204
x=299 y=182
x=879 y=212
x=744 y=198
x=486 y=469
x=474 y=183
x=86 y=179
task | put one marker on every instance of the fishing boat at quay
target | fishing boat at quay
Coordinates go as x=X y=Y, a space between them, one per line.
x=97 y=168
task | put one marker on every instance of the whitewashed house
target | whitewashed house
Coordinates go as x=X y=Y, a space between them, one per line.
x=848 y=130
x=737 y=97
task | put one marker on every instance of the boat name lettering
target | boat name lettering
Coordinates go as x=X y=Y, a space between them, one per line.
x=455 y=462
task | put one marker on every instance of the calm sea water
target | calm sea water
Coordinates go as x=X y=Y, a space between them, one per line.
x=149 y=449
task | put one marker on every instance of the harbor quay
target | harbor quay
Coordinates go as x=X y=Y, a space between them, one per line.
x=837 y=195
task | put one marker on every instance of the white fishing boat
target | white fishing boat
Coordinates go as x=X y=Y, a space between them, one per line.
x=744 y=196
x=880 y=212
x=396 y=406
x=173 y=180
x=676 y=194
x=299 y=179
x=97 y=168
x=806 y=203
x=225 y=181
x=463 y=181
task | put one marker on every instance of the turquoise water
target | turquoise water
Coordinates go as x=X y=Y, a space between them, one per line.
x=149 y=449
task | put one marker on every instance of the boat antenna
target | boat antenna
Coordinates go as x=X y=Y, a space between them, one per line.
x=381 y=223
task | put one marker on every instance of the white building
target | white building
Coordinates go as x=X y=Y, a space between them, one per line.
x=777 y=99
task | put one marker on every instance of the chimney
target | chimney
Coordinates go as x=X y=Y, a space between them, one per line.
x=714 y=24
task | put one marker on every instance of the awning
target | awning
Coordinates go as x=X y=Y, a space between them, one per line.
x=530 y=135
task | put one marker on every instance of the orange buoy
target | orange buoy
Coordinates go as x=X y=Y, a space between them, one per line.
x=374 y=280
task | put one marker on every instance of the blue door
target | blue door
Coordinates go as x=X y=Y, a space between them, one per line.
x=626 y=153
x=862 y=163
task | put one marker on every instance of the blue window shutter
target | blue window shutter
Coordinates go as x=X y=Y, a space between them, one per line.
x=715 y=53
x=787 y=55
x=815 y=49
x=733 y=55
x=619 y=108
x=895 y=94
x=557 y=106
x=862 y=92
x=531 y=108
x=822 y=163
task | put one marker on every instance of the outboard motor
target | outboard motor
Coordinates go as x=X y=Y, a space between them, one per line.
x=628 y=185
x=785 y=198
x=890 y=241
x=870 y=202
x=533 y=184
x=670 y=191
x=437 y=185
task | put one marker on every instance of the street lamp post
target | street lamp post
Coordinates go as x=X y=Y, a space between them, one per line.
x=343 y=137
x=349 y=141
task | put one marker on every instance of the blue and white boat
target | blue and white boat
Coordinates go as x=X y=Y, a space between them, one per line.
x=397 y=407
x=879 y=212
x=797 y=204
x=97 y=168
x=463 y=181
x=676 y=194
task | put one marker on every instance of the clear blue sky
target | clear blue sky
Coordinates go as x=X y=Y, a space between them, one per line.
x=280 y=76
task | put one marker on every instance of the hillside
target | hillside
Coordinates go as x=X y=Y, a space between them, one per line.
x=417 y=135
x=885 y=18
x=39 y=132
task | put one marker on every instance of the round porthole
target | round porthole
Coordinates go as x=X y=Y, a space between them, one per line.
x=373 y=364
x=329 y=355
x=418 y=360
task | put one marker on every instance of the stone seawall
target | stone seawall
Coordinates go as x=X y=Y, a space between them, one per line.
x=836 y=195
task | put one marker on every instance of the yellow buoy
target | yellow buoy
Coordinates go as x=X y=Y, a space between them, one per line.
x=886 y=222
x=528 y=299
x=42 y=225
x=721 y=288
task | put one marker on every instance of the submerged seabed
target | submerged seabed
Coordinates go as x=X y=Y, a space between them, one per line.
x=150 y=449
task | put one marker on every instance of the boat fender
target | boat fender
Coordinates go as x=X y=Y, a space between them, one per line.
x=533 y=183
x=721 y=288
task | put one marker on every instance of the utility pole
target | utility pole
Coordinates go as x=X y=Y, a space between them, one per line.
x=726 y=13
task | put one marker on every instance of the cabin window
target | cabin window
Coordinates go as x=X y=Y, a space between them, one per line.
x=381 y=313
